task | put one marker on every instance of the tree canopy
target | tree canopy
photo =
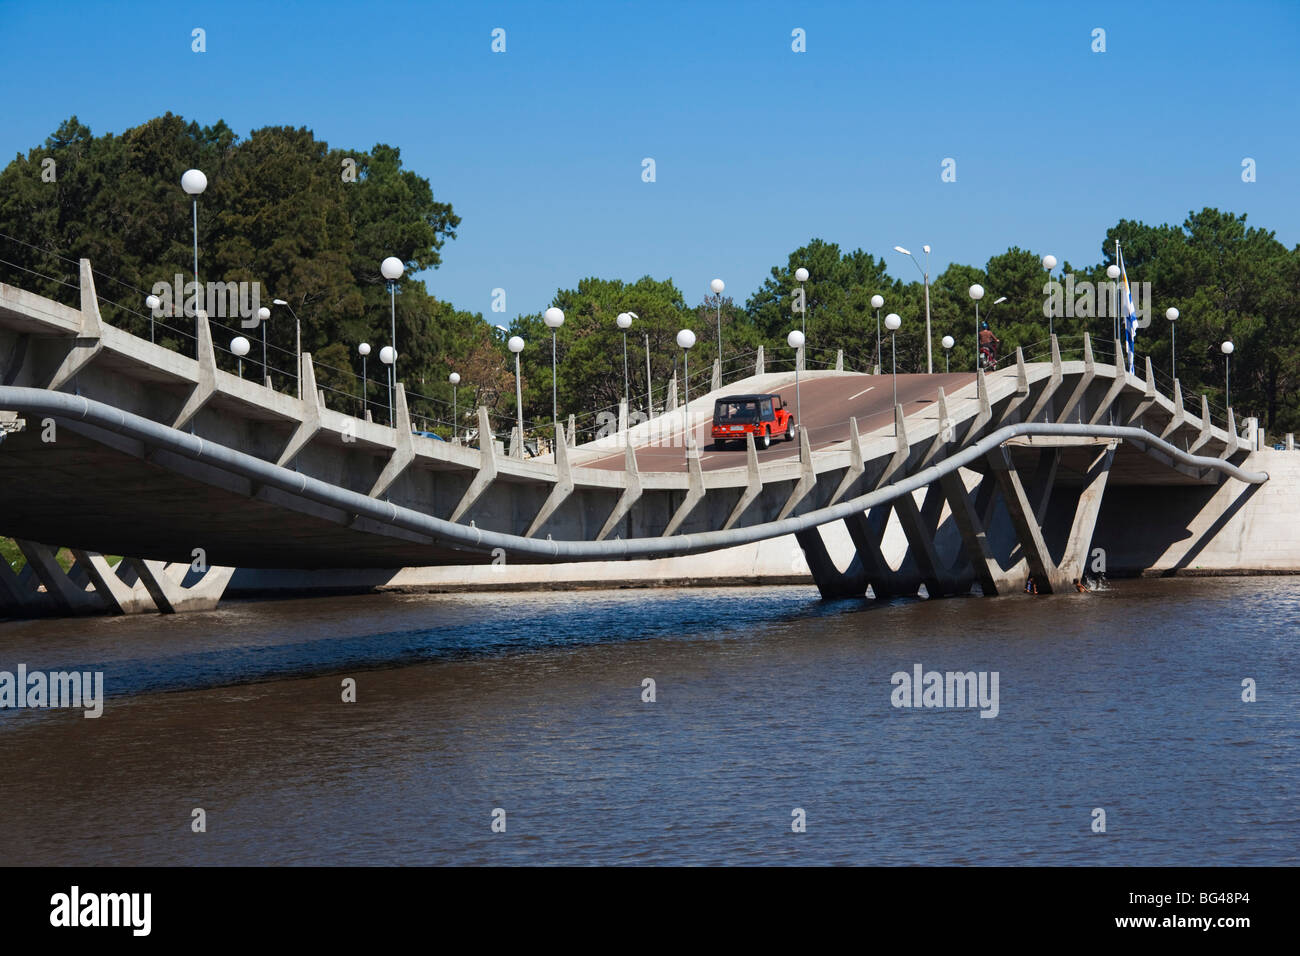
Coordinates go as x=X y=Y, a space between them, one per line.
x=311 y=223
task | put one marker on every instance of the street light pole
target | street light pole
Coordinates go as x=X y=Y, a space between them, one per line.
x=193 y=181
x=685 y=340
x=392 y=269
x=877 y=302
x=297 y=339
x=1227 y=348
x=925 y=276
x=717 y=285
x=624 y=321
x=1172 y=315
x=388 y=355
x=1049 y=263
x=364 y=349
x=649 y=406
x=554 y=318
x=796 y=341
x=892 y=322
x=516 y=345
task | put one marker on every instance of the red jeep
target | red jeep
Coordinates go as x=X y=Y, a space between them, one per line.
x=764 y=416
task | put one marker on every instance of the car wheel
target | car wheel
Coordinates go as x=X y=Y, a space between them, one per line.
x=789 y=431
x=766 y=440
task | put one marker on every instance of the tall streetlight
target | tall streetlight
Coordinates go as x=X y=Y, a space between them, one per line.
x=801 y=276
x=392 y=269
x=297 y=342
x=454 y=378
x=1049 y=263
x=624 y=321
x=1112 y=273
x=685 y=340
x=977 y=293
x=239 y=345
x=925 y=274
x=892 y=322
x=153 y=304
x=877 y=302
x=388 y=355
x=554 y=318
x=364 y=349
x=947 y=343
x=717 y=285
x=263 y=314
x=516 y=345
x=796 y=340
x=194 y=182
x=1172 y=315
x=1226 y=349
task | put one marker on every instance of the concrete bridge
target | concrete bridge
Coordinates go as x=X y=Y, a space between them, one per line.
x=115 y=445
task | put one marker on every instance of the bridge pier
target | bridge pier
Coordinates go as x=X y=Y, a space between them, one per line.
x=92 y=586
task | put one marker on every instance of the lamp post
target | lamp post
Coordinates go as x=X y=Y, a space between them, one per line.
x=977 y=293
x=263 y=314
x=925 y=274
x=297 y=342
x=1112 y=273
x=649 y=403
x=1049 y=263
x=554 y=318
x=892 y=322
x=796 y=340
x=239 y=345
x=685 y=340
x=877 y=302
x=717 y=285
x=388 y=355
x=392 y=269
x=801 y=276
x=193 y=181
x=1226 y=348
x=947 y=343
x=364 y=349
x=624 y=321
x=1172 y=315
x=454 y=378
x=153 y=304
x=516 y=345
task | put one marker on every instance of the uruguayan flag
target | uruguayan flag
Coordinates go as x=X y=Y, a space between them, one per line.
x=1128 y=317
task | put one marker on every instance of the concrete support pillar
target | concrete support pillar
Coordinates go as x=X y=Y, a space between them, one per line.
x=1028 y=532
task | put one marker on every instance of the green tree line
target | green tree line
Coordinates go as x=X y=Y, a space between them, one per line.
x=282 y=210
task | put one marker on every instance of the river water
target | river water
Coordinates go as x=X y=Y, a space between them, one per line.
x=767 y=702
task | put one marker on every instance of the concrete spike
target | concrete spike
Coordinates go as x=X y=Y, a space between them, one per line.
x=89 y=341
x=758 y=364
x=631 y=492
x=753 y=486
x=807 y=477
x=560 y=491
x=207 y=384
x=403 y=448
x=309 y=424
x=487 y=467
x=694 y=494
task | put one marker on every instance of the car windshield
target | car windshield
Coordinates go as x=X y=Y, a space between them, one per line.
x=736 y=412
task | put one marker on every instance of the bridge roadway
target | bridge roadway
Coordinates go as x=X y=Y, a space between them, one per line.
x=827 y=404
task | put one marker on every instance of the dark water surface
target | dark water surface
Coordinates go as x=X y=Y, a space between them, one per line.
x=768 y=700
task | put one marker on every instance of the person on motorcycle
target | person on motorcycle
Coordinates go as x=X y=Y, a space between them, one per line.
x=989 y=344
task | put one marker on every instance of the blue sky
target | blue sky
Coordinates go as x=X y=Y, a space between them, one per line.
x=757 y=148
